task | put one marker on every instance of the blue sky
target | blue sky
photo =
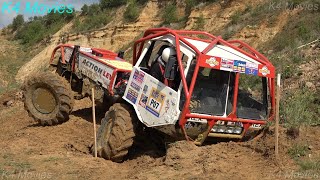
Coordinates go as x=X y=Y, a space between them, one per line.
x=7 y=17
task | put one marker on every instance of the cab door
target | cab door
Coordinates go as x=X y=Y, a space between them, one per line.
x=154 y=102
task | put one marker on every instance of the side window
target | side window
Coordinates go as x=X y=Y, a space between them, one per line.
x=153 y=53
x=150 y=58
x=252 y=97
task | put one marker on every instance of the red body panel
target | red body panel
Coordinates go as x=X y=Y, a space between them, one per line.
x=96 y=55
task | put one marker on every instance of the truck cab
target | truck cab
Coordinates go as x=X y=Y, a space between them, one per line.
x=220 y=88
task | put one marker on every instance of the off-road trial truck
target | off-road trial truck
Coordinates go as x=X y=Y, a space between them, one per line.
x=223 y=89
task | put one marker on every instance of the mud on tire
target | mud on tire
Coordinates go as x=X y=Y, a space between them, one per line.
x=116 y=133
x=48 y=98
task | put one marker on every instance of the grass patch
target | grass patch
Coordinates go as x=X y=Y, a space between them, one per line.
x=299 y=108
x=308 y=165
x=297 y=151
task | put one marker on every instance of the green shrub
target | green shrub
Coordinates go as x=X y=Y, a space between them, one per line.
x=200 y=23
x=32 y=32
x=85 y=9
x=288 y=71
x=94 y=9
x=170 y=14
x=41 y=27
x=236 y=17
x=189 y=5
x=132 y=12
x=107 y=4
x=17 y=22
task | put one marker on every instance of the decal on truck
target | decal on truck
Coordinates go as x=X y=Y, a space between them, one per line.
x=95 y=70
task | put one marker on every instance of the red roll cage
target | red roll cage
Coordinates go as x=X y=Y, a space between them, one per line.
x=181 y=36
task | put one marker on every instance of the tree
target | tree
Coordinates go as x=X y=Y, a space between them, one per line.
x=84 y=9
x=106 y=4
x=17 y=22
x=94 y=9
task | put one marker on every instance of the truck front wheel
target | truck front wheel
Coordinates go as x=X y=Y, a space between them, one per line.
x=116 y=133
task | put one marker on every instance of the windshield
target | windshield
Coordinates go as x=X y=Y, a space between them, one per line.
x=211 y=92
x=214 y=91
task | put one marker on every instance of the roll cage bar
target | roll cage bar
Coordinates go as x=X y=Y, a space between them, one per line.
x=181 y=36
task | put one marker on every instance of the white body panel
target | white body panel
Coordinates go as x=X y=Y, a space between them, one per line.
x=91 y=68
x=155 y=103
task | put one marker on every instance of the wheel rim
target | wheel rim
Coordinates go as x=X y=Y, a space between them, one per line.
x=44 y=100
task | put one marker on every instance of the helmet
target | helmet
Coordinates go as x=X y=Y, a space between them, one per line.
x=167 y=52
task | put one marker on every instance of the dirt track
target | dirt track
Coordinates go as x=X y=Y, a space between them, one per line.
x=62 y=152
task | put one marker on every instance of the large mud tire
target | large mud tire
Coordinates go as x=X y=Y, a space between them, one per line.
x=116 y=133
x=48 y=98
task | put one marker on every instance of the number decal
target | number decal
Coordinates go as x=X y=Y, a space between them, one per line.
x=154 y=104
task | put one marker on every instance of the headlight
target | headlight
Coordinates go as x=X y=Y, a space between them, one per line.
x=230 y=130
x=222 y=129
x=237 y=130
x=214 y=129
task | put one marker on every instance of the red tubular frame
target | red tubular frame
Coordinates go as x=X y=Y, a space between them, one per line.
x=181 y=36
x=106 y=54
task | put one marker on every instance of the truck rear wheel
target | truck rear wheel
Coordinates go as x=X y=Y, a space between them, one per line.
x=116 y=133
x=48 y=98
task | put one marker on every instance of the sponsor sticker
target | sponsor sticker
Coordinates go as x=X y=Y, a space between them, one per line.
x=145 y=89
x=132 y=96
x=239 y=66
x=167 y=107
x=155 y=102
x=212 y=61
x=252 y=69
x=226 y=64
x=138 y=76
x=143 y=101
x=264 y=71
x=135 y=86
